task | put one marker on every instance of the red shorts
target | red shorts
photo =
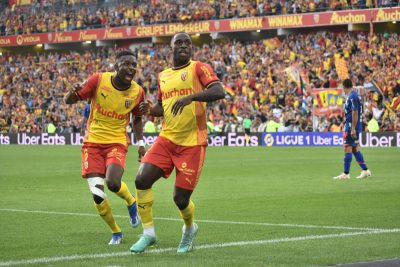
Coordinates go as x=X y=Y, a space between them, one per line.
x=96 y=157
x=187 y=160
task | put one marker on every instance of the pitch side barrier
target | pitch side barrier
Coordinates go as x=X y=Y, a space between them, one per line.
x=385 y=139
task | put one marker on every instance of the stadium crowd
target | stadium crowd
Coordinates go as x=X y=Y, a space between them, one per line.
x=85 y=14
x=258 y=84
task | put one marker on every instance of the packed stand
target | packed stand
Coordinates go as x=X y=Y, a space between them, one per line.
x=254 y=75
x=59 y=16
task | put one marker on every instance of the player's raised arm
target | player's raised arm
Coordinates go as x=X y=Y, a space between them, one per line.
x=82 y=91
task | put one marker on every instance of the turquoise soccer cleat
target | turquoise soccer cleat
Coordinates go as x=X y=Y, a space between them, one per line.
x=143 y=242
x=186 y=243
x=133 y=214
x=116 y=239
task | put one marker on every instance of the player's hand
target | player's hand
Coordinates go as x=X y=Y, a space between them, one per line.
x=353 y=134
x=141 y=152
x=180 y=104
x=145 y=107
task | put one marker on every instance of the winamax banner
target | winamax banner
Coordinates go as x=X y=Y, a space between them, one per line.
x=386 y=139
x=226 y=25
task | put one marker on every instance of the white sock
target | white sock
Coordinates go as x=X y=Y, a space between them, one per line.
x=149 y=231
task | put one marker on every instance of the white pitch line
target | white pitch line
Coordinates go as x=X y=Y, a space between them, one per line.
x=200 y=247
x=212 y=221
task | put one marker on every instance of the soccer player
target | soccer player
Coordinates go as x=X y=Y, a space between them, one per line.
x=114 y=96
x=352 y=128
x=182 y=93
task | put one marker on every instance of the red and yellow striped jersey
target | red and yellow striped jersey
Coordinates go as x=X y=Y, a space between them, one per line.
x=188 y=128
x=109 y=109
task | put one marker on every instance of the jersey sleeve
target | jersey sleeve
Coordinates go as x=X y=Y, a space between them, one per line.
x=136 y=110
x=89 y=87
x=205 y=74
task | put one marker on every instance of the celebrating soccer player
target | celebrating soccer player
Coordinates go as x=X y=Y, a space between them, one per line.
x=114 y=96
x=352 y=128
x=182 y=93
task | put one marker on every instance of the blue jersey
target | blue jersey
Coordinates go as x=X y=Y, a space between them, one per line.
x=353 y=103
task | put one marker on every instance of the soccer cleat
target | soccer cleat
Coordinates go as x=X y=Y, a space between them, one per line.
x=116 y=239
x=143 y=242
x=342 y=176
x=133 y=214
x=364 y=174
x=186 y=243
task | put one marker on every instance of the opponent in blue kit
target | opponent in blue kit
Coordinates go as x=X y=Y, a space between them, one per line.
x=352 y=128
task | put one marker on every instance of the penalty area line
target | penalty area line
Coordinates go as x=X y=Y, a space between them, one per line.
x=208 y=221
x=200 y=247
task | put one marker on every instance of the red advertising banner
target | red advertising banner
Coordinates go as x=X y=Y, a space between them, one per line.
x=227 y=25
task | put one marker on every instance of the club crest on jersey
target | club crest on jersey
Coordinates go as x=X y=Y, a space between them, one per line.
x=184 y=75
x=128 y=103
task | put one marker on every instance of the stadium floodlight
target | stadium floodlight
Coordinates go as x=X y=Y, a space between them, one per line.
x=197 y=34
x=1 y=53
x=258 y=30
x=39 y=45
x=394 y=22
x=88 y=42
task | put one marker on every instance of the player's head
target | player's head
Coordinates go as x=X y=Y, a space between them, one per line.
x=181 y=45
x=347 y=84
x=125 y=65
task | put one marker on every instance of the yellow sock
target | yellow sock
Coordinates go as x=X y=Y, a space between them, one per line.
x=104 y=210
x=188 y=214
x=125 y=194
x=145 y=199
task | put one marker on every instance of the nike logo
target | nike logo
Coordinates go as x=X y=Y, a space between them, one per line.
x=163 y=81
x=103 y=95
x=142 y=206
x=188 y=180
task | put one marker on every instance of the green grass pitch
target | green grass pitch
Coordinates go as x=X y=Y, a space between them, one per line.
x=261 y=206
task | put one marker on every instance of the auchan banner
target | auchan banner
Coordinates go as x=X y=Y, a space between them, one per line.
x=228 y=25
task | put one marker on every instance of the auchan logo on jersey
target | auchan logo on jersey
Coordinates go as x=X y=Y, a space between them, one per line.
x=111 y=114
x=176 y=92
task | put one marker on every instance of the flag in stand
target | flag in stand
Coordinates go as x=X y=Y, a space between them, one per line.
x=229 y=90
x=341 y=68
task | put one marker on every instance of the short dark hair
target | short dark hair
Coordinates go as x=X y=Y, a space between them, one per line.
x=124 y=53
x=347 y=83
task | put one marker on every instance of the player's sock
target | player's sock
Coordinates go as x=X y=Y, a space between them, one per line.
x=347 y=162
x=360 y=160
x=187 y=215
x=247 y=138
x=125 y=194
x=145 y=199
x=105 y=212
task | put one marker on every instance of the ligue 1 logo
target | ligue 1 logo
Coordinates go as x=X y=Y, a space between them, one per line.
x=216 y=24
x=184 y=75
x=49 y=37
x=128 y=31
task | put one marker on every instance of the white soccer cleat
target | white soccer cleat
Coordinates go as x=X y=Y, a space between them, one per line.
x=364 y=174
x=116 y=239
x=342 y=176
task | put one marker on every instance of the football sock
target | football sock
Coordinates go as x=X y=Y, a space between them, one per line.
x=145 y=199
x=187 y=215
x=247 y=138
x=104 y=211
x=125 y=194
x=347 y=162
x=360 y=160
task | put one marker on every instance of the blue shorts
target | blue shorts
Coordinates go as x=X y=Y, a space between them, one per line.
x=348 y=140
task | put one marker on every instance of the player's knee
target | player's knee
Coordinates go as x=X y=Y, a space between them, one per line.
x=181 y=202
x=140 y=182
x=96 y=187
x=114 y=185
